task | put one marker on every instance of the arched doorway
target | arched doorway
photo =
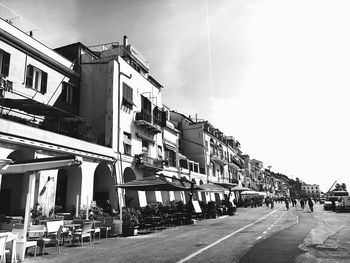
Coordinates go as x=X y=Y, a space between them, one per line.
x=68 y=189
x=165 y=194
x=195 y=192
x=177 y=194
x=104 y=192
x=131 y=196
x=14 y=187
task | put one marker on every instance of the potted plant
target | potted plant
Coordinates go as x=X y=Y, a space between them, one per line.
x=130 y=221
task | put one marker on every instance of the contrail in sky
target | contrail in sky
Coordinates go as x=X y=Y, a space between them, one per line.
x=209 y=49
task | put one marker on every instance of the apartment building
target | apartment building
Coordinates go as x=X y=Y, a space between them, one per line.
x=310 y=190
x=45 y=147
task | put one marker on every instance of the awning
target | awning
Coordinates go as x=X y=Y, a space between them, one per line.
x=183 y=157
x=36 y=108
x=4 y=163
x=240 y=188
x=229 y=186
x=41 y=164
x=145 y=137
x=153 y=184
x=250 y=193
x=170 y=146
x=211 y=187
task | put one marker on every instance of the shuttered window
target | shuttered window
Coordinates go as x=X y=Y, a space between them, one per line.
x=127 y=96
x=36 y=79
x=5 y=63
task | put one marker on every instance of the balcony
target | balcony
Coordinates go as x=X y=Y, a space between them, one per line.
x=217 y=157
x=143 y=161
x=143 y=119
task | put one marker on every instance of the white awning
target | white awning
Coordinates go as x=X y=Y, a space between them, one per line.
x=50 y=163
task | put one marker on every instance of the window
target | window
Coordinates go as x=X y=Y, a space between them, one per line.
x=171 y=156
x=4 y=63
x=146 y=104
x=145 y=146
x=68 y=91
x=127 y=143
x=36 y=79
x=127 y=96
x=160 y=152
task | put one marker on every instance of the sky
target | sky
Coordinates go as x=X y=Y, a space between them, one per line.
x=272 y=73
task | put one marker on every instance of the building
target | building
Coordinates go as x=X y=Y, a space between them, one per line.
x=43 y=139
x=310 y=190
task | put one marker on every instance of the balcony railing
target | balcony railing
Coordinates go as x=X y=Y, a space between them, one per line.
x=144 y=120
x=145 y=162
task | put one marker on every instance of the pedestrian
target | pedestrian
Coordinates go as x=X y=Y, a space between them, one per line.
x=302 y=203
x=267 y=202
x=311 y=205
x=271 y=202
x=293 y=202
x=287 y=203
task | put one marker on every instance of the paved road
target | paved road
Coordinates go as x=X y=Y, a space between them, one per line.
x=226 y=239
x=284 y=245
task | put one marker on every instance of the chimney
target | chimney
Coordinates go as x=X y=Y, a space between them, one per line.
x=125 y=42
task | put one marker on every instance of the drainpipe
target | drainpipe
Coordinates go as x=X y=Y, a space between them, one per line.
x=121 y=193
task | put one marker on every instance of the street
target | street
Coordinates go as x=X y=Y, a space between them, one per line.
x=252 y=235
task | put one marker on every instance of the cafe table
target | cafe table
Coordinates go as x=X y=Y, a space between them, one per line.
x=11 y=240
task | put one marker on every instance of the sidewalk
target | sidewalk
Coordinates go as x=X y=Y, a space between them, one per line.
x=329 y=241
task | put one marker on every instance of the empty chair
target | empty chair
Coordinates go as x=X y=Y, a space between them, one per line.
x=106 y=224
x=85 y=232
x=53 y=238
x=2 y=248
x=96 y=229
x=21 y=238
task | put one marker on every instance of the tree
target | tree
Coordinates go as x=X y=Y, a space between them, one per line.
x=340 y=187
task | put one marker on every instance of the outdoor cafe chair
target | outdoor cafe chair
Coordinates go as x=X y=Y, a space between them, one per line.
x=2 y=249
x=106 y=224
x=53 y=238
x=85 y=232
x=96 y=229
x=19 y=230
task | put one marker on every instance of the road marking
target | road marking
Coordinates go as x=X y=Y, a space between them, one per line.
x=268 y=228
x=259 y=237
x=272 y=224
x=297 y=219
x=224 y=238
x=264 y=232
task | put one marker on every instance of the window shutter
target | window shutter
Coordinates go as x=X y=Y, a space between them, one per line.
x=5 y=67
x=43 y=82
x=29 y=77
x=64 y=91
x=75 y=96
x=164 y=118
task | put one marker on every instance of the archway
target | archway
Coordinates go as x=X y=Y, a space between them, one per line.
x=68 y=189
x=104 y=192
x=165 y=194
x=14 y=187
x=195 y=192
x=131 y=196
x=177 y=194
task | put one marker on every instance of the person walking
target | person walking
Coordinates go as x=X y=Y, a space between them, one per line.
x=271 y=202
x=311 y=205
x=302 y=203
x=287 y=203
x=267 y=202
